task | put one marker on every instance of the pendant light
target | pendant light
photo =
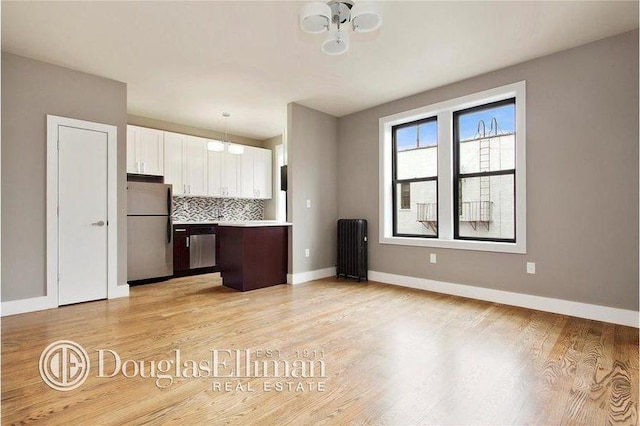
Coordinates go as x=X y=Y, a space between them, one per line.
x=337 y=17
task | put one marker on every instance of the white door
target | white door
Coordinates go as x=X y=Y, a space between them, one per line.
x=262 y=167
x=82 y=215
x=214 y=173
x=230 y=174
x=196 y=176
x=247 y=189
x=174 y=161
x=133 y=134
x=151 y=152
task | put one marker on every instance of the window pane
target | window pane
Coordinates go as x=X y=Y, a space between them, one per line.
x=405 y=196
x=486 y=207
x=421 y=218
x=417 y=150
x=487 y=139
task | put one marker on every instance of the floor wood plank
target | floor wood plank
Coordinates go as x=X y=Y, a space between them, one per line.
x=393 y=356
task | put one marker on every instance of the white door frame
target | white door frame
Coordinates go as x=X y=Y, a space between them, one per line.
x=53 y=122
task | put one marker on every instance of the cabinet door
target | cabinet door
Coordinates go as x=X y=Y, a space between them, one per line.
x=247 y=189
x=180 y=249
x=231 y=174
x=262 y=171
x=174 y=161
x=196 y=166
x=150 y=150
x=133 y=134
x=214 y=173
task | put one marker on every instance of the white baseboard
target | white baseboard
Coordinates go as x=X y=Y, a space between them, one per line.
x=22 y=306
x=14 y=307
x=303 y=277
x=120 y=291
x=557 y=306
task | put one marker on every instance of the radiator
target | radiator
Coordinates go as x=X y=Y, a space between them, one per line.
x=352 y=249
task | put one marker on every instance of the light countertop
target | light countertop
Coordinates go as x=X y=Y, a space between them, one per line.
x=196 y=222
x=240 y=223
x=254 y=223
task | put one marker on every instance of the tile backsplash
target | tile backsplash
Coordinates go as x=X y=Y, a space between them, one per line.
x=205 y=209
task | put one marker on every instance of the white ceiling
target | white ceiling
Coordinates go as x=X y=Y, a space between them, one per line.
x=187 y=62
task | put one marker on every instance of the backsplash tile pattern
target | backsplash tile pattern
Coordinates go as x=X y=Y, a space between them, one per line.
x=205 y=209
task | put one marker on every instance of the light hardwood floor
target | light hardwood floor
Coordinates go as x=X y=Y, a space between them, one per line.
x=393 y=356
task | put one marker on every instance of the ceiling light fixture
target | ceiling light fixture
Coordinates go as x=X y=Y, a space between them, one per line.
x=219 y=146
x=319 y=17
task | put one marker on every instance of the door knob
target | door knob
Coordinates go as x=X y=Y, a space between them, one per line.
x=100 y=223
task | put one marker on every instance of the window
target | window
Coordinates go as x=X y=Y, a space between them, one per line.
x=484 y=172
x=415 y=178
x=453 y=175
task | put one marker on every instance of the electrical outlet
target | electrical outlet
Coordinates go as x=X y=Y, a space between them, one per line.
x=531 y=267
x=308 y=204
x=306 y=252
x=433 y=258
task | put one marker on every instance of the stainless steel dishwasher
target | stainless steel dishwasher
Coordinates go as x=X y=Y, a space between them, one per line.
x=202 y=246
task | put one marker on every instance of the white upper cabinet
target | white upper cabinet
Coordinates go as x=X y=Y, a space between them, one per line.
x=185 y=164
x=262 y=174
x=224 y=174
x=196 y=166
x=145 y=151
x=174 y=162
x=194 y=170
x=247 y=189
x=256 y=176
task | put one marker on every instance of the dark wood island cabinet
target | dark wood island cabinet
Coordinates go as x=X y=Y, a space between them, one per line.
x=253 y=256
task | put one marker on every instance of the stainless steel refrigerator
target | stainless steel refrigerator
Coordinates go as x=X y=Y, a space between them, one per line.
x=149 y=231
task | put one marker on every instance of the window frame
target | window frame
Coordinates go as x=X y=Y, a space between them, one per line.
x=395 y=181
x=445 y=183
x=457 y=175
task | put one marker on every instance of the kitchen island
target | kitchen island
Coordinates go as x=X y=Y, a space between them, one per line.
x=253 y=254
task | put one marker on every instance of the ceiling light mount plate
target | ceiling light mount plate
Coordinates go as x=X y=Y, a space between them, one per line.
x=340 y=11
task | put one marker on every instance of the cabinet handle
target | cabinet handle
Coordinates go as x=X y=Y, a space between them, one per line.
x=143 y=164
x=187 y=242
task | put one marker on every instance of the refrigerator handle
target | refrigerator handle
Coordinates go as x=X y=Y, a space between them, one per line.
x=169 y=218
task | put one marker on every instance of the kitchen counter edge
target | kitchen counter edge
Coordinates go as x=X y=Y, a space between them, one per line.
x=247 y=224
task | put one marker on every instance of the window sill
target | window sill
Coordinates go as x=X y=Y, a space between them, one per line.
x=498 y=247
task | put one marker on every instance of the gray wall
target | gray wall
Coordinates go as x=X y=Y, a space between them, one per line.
x=30 y=90
x=312 y=160
x=582 y=180
x=270 y=205
x=138 y=120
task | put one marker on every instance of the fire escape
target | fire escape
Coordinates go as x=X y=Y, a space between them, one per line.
x=479 y=211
